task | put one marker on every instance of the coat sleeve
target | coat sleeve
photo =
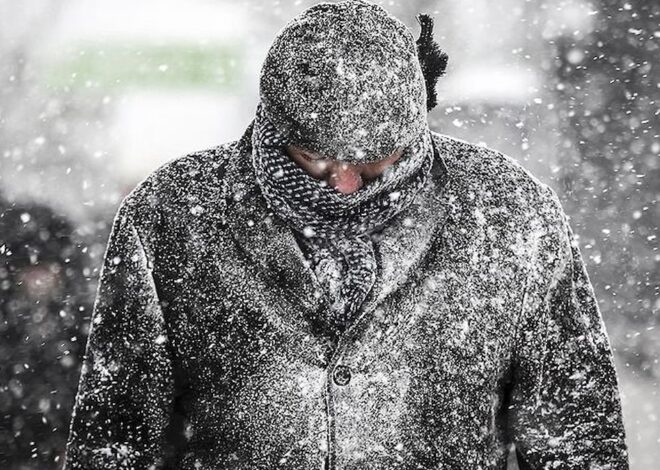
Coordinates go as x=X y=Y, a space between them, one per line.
x=565 y=410
x=123 y=404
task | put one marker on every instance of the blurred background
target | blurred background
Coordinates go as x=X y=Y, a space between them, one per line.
x=94 y=95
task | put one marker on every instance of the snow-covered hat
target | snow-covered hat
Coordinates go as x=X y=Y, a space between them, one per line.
x=345 y=80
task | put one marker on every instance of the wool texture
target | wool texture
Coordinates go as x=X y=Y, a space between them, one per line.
x=337 y=228
x=345 y=80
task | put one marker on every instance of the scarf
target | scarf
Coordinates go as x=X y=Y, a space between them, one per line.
x=337 y=229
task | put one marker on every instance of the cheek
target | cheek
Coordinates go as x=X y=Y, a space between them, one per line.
x=373 y=171
x=315 y=169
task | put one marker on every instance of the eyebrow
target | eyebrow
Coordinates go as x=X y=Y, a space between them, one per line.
x=322 y=157
x=307 y=153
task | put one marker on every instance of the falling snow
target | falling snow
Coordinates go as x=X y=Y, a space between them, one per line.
x=177 y=322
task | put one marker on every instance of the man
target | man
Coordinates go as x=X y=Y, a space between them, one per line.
x=345 y=289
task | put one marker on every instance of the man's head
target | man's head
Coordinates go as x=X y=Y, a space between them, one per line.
x=343 y=81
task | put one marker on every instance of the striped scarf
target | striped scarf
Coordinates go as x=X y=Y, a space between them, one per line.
x=336 y=228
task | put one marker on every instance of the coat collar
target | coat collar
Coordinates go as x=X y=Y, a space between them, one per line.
x=270 y=244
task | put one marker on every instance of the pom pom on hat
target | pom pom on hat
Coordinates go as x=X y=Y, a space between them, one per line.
x=432 y=58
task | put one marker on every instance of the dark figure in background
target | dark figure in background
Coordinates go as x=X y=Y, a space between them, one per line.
x=43 y=299
x=344 y=289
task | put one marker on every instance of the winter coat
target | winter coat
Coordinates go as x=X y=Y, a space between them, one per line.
x=208 y=348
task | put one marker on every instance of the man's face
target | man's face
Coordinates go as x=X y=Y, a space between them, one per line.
x=344 y=177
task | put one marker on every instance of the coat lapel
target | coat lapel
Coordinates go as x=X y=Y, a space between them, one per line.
x=405 y=242
x=407 y=239
x=269 y=243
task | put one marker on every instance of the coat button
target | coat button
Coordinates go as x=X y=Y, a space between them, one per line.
x=342 y=375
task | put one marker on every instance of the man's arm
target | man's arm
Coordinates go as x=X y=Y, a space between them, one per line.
x=565 y=410
x=123 y=405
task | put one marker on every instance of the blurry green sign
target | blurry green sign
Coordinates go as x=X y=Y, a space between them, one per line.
x=135 y=65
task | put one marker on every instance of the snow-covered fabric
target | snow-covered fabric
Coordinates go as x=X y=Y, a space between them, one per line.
x=481 y=330
x=344 y=79
x=337 y=228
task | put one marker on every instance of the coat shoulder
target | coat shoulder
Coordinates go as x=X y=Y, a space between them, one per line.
x=476 y=166
x=481 y=174
x=185 y=186
x=487 y=186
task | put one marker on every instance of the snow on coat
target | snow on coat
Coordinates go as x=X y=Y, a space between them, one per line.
x=208 y=348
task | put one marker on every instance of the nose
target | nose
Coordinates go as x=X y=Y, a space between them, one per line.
x=345 y=178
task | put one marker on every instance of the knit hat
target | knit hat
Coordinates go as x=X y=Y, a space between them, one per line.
x=345 y=80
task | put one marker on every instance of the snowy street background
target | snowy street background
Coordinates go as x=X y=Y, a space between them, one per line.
x=95 y=95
